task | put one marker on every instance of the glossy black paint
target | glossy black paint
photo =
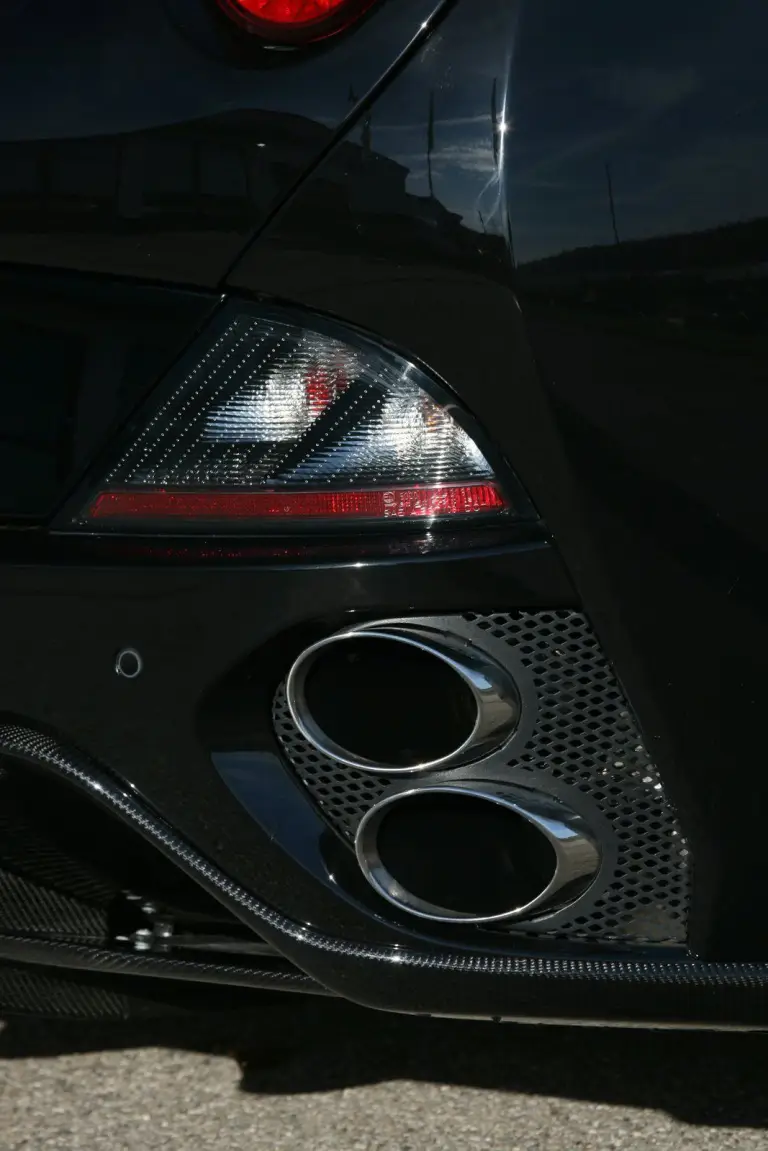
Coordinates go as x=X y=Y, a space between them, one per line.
x=151 y=139
x=194 y=625
x=416 y=978
x=76 y=356
x=577 y=248
x=665 y=293
x=561 y=211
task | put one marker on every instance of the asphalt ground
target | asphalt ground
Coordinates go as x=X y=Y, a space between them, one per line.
x=305 y=1074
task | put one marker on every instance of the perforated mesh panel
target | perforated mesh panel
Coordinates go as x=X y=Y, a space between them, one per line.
x=585 y=737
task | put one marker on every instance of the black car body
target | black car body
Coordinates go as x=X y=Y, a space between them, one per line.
x=553 y=215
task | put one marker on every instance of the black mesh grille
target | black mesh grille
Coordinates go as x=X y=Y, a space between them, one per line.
x=585 y=737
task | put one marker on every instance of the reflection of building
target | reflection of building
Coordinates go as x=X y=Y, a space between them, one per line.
x=222 y=173
x=226 y=165
x=231 y=165
x=739 y=245
x=719 y=274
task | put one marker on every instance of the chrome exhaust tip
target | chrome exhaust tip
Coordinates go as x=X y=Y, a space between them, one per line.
x=476 y=853
x=398 y=699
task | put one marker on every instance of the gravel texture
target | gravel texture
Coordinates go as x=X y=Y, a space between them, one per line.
x=301 y=1074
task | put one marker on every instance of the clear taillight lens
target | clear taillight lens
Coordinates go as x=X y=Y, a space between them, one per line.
x=268 y=421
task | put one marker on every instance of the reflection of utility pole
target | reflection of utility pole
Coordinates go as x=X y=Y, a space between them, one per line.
x=129 y=186
x=365 y=127
x=197 y=169
x=45 y=171
x=510 y=241
x=495 y=125
x=366 y=136
x=609 y=181
x=431 y=142
x=498 y=127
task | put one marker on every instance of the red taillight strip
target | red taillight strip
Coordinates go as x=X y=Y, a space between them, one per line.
x=159 y=504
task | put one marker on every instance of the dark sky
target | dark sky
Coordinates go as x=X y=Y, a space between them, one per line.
x=670 y=94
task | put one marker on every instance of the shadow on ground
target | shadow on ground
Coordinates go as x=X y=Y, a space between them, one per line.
x=295 y=1045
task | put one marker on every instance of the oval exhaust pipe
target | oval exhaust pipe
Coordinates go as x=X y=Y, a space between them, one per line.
x=476 y=852
x=396 y=699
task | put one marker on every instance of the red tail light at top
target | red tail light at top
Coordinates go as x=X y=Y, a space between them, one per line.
x=295 y=21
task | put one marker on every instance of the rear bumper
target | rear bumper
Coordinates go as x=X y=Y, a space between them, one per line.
x=431 y=981
x=616 y=424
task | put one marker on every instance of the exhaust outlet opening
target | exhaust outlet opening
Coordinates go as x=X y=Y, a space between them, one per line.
x=401 y=699
x=456 y=853
x=482 y=858
x=389 y=702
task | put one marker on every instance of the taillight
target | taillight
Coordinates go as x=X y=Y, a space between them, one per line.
x=295 y=21
x=272 y=421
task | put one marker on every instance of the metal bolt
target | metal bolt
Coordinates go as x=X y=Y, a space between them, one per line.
x=128 y=663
